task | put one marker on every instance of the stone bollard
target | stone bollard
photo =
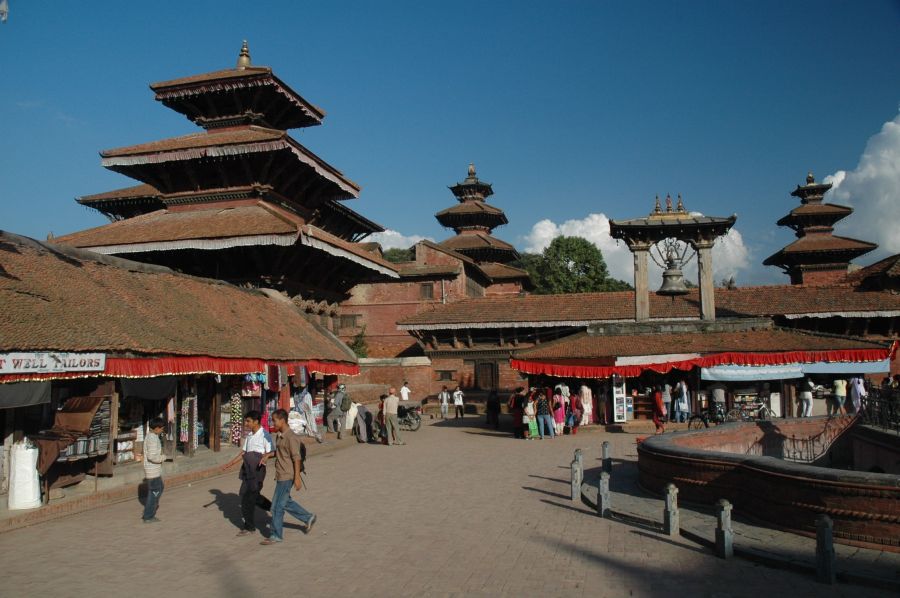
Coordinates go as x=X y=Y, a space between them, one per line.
x=576 y=481
x=604 y=507
x=724 y=533
x=579 y=458
x=607 y=460
x=825 y=557
x=671 y=525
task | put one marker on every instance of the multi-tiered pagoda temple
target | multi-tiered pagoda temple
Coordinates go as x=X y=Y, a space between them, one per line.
x=818 y=256
x=241 y=201
x=473 y=220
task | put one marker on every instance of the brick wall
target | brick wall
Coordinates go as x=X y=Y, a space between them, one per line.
x=377 y=375
x=823 y=277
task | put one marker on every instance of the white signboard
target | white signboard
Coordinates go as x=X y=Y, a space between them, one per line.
x=51 y=362
x=619 y=402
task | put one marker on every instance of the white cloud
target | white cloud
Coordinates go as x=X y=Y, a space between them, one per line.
x=730 y=255
x=391 y=239
x=873 y=189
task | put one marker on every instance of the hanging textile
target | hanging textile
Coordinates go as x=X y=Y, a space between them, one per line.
x=237 y=422
x=184 y=419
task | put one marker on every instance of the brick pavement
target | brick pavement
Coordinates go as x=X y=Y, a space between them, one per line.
x=457 y=511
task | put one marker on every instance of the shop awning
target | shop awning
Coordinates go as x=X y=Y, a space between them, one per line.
x=870 y=367
x=587 y=356
x=24 y=394
x=740 y=373
x=149 y=367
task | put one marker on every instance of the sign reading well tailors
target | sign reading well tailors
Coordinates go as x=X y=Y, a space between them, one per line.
x=51 y=362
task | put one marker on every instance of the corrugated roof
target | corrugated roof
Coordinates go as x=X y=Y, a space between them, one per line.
x=58 y=298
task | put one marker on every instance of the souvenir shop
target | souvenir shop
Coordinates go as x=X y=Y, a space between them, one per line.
x=70 y=429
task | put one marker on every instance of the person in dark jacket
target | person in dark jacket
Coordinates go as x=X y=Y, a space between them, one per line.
x=255 y=451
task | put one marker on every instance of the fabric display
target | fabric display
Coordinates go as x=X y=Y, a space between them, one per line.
x=96 y=442
x=273 y=382
x=188 y=415
x=236 y=420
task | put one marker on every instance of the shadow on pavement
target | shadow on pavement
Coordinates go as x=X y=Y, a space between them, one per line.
x=547 y=492
x=540 y=477
x=229 y=504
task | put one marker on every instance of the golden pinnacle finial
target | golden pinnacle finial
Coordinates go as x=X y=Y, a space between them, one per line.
x=658 y=208
x=243 y=60
x=680 y=206
x=471 y=169
x=810 y=179
x=668 y=203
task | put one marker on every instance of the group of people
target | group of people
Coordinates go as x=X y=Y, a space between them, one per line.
x=546 y=412
x=670 y=404
x=257 y=449
x=445 y=396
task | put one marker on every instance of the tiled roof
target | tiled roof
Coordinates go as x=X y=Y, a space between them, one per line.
x=586 y=346
x=175 y=225
x=126 y=193
x=471 y=207
x=251 y=71
x=497 y=271
x=371 y=246
x=414 y=270
x=889 y=266
x=58 y=298
x=476 y=241
x=820 y=208
x=827 y=243
x=579 y=309
x=250 y=134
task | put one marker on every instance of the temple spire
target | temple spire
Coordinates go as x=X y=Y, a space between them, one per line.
x=243 y=60
x=471 y=169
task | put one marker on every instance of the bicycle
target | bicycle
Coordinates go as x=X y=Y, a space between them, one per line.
x=748 y=412
x=714 y=413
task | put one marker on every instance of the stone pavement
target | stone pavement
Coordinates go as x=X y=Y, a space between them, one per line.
x=459 y=510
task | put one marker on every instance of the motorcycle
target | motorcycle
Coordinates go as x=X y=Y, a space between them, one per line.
x=409 y=418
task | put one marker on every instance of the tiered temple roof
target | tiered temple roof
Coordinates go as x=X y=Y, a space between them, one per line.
x=818 y=255
x=473 y=220
x=242 y=200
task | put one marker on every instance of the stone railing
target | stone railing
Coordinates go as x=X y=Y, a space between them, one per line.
x=721 y=462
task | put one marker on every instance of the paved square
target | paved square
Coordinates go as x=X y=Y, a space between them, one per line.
x=460 y=510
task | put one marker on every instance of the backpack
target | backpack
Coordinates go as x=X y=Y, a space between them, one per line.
x=346 y=403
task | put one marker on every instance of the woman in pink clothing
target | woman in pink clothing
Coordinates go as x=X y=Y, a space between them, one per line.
x=559 y=410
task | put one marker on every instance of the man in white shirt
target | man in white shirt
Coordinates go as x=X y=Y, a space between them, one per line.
x=153 y=460
x=458 y=403
x=255 y=451
x=404 y=391
x=444 y=401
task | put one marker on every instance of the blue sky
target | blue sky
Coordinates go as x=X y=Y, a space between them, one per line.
x=568 y=108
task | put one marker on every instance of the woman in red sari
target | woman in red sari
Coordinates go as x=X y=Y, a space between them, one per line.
x=659 y=412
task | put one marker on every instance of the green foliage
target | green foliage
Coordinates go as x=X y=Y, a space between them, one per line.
x=359 y=345
x=399 y=255
x=570 y=265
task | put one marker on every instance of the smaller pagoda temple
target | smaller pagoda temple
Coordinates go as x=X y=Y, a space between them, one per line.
x=818 y=256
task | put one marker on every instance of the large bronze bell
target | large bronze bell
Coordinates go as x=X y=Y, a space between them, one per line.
x=673 y=281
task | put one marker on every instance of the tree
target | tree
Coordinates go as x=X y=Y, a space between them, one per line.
x=529 y=262
x=359 y=345
x=399 y=255
x=574 y=265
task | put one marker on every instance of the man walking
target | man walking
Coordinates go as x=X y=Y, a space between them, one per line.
x=338 y=415
x=256 y=450
x=405 y=391
x=458 y=403
x=391 y=423
x=153 y=460
x=444 y=401
x=288 y=466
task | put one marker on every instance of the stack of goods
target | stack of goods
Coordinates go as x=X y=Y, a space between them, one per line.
x=95 y=444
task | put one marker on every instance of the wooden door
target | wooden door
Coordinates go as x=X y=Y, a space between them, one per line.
x=486 y=376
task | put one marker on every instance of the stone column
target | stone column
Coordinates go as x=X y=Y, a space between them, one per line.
x=707 y=287
x=607 y=459
x=825 y=557
x=604 y=505
x=671 y=524
x=641 y=283
x=724 y=533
